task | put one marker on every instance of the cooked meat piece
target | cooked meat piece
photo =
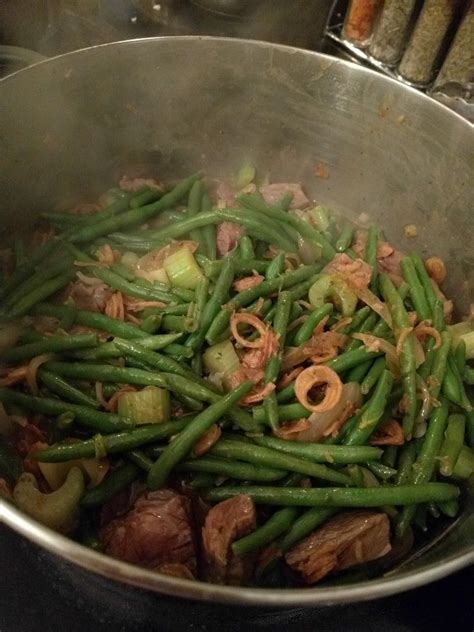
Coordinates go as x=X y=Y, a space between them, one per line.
x=227 y=237
x=388 y=259
x=135 y=184
x=272 y=193
x=29 y=439
x=90 y=297
x=356 y=271
x=5 y=490
x=226 y=522
x=224 y=195
x=347 y=540
x=155 y=532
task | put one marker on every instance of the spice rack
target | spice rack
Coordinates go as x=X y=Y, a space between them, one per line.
x=426 y=44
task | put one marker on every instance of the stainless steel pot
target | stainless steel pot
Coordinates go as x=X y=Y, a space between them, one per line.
x=74 y=122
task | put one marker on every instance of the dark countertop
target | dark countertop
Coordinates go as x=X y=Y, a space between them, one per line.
x=39 y=592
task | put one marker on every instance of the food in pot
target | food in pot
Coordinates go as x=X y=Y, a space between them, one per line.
x=226 y=385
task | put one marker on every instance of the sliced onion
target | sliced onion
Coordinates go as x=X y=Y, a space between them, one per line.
x=308 y=251
x=373 y=301
x=255 y=322
x=314 y=376
x=88 y=280
x=426 y=403
x=321 y=423
x=32 y=370
x=373 y=343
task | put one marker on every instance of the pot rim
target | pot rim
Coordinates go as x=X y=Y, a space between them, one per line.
x=202 y=591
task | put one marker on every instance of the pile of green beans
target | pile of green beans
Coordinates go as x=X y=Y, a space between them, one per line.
x=71 y=363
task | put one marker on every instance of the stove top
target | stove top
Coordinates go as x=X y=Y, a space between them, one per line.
x=41 y=593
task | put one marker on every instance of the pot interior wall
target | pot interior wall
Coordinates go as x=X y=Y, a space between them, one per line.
x=74 y=124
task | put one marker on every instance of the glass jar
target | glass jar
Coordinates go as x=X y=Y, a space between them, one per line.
x=421 y=54
x=392 y=31
x=360 y=19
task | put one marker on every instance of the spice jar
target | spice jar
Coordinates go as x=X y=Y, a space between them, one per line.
x=360 y=20
x=458 y=67
x=391 y=31
x=417 y=65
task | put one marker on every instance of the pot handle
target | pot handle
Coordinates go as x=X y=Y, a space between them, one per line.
x=19 y=56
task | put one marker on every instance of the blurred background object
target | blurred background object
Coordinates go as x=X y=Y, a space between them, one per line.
x=428 y=44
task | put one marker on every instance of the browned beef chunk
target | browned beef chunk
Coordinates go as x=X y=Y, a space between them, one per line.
x=226 y=522
x=349 y=539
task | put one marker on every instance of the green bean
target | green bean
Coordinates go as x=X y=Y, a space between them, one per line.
x=373 y=375
x=285 y=281
x=276 y=267
x=194 y=206
x=450 y=508
x=287 y=412
x=202 y=295
x=286 y=394
x=232 y=469
x=28 y=301
x=45 y=273
x=460 y=356
x=28 y=268
x=424 y=279
x=183 y=443
x=103 y=422
x=176 y=310
x=367 y=326
x=305 y=229
x=10 y=463
x=203 y=479
x=439 y=364
x=345 y=238
x=360 y=316
x=140 y=459
x=145 y=197
x=280 y=522
x=90 y=319
x=389 y=457
x=407 y=353
x=60 y=387
x=253 y=223
x=51 y=344
x=405 y=464
x=280 y=326
x=108 y=350
x=115 y=443
x=350 y=359
x=321 y=453
x=244 y=451
x=212 y=269
x=463 y=398
x=306 y=330
x=452 y=444
x=340 y=496
x=214 y=304
x=114 y=482
x=304 y=525
x=246 y=249
x=417 y=292
x=183 y=324
x=450 y=386
x=151 y=324
x=424 y=465
x=157 y=360
x=358 y=373
x=178 y=351
x=384 y=472
x=209 y=231
x=135 y=216
x=371 y=253
x=373 y=413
